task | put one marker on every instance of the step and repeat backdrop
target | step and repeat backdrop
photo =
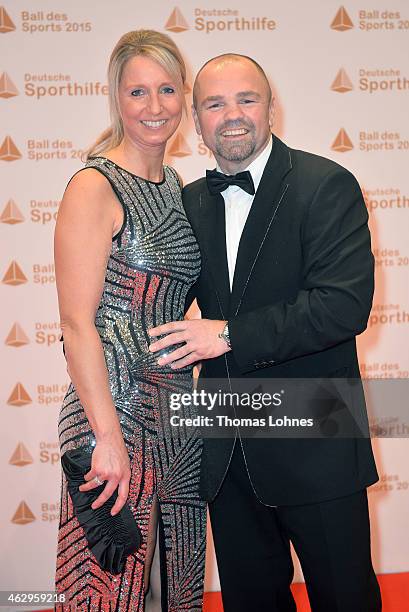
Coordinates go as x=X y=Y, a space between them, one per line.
x=340 y=76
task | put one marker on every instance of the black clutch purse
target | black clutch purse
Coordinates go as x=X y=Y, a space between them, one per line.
x=110 y=538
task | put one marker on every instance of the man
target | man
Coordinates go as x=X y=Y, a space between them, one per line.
x=286 y=285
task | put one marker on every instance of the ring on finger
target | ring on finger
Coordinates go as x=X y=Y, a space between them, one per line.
x=98 y=480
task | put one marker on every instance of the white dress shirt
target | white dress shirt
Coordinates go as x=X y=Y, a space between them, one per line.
x=237 y=207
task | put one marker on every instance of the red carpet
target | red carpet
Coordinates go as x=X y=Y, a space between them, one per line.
x=394 y=587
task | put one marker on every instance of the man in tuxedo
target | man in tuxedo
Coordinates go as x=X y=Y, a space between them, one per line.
x=286 y=286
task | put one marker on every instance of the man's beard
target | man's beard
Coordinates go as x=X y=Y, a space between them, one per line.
x=235 y=151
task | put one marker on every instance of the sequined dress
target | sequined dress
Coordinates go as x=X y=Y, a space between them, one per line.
x=153 y=262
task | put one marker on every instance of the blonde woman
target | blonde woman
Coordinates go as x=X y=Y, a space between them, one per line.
x=125 y=259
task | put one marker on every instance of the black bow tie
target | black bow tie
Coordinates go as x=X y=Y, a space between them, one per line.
x=218 y=182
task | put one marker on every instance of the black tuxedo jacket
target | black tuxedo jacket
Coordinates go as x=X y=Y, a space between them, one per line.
x=302 y=291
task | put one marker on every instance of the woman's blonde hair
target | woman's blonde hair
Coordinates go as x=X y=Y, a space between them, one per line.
x=149 y=43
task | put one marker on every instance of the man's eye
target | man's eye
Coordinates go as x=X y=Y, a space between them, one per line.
x=215 y=105
x=137 y=92
x=246 y=101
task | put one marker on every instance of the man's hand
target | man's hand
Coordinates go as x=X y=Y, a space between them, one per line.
x=200 y=337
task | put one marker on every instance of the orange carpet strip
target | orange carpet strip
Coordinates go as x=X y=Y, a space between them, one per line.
x=394 y=588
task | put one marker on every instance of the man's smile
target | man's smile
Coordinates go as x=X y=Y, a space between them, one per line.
x=234 y=133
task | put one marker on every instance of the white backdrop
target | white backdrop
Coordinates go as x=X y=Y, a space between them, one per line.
x=341 y=81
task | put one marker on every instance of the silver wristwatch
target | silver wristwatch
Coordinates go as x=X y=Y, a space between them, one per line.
x=224 y=335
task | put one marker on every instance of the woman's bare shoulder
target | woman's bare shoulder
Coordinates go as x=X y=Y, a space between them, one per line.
x=88 y=181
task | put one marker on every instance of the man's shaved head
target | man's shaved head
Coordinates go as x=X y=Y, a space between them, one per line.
x=222 y=60
x=233 y=109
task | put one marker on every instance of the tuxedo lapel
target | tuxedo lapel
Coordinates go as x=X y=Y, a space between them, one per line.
x=213 y=242
x=269 y=196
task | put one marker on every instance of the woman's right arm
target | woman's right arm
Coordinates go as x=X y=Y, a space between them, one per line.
x=89 y=215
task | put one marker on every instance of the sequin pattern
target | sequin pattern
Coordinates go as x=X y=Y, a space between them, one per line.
x=153 y=263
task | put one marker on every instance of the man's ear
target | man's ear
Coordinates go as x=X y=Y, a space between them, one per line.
x=271 y=112
x=196 y=120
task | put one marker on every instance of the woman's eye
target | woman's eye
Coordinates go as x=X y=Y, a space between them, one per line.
x=137 y=92
x=168 y=90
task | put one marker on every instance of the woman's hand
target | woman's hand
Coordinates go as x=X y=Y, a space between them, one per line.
x=110 y=464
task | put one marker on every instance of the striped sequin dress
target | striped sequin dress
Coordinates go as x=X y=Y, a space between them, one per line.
x=153 y=263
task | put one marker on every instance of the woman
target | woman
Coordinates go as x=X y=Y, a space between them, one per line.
x=125 y=260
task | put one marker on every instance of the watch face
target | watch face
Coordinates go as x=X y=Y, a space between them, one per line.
x=226 y=335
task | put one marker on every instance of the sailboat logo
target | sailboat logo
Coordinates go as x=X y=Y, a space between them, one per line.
x=23 y=515
x=342 y=21
x=342 y=83
x=14 y=275
x=176 y=22
x=179 y=147
x=7 y=87
x=11 y=214
x=342 y=142
x=19 y=396
x=6 y=24
x=21 y=456
x=9 y=151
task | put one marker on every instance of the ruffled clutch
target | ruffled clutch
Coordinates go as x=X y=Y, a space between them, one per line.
x=111 y=538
